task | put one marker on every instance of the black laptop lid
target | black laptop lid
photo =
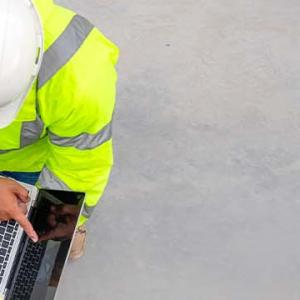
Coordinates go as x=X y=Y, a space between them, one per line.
x=39 y=266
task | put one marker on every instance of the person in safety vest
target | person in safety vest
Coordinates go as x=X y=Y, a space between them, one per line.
x=57 y=97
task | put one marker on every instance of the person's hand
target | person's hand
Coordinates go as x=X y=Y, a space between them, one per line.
x=13 y=199
x=62 y=222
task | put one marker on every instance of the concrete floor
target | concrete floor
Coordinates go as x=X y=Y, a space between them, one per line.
x=204 y=199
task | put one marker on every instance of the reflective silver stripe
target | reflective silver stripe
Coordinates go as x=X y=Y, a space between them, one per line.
x=83 y=141
x=31 y=132
x=49 y=181
x=88 y=211
x=64 y=48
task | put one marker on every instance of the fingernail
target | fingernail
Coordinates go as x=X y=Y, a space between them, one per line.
x=34 y=239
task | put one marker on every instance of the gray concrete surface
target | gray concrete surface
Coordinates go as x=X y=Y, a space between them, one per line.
x=204 y=199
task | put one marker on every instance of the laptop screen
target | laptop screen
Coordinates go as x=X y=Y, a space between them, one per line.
x=39 y=268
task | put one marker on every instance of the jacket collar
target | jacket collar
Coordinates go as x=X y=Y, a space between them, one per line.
x=28 y=109
x=44 y=8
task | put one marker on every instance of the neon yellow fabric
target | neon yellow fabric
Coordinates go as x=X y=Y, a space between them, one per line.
x=78 y=99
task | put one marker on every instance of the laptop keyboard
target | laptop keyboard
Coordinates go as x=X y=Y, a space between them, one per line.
x=28 y=271
x=8 y=232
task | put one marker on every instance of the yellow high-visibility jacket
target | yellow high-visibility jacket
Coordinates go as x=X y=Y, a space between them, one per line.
x=64 y=127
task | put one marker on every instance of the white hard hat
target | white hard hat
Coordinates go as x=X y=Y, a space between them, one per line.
x=21 y=49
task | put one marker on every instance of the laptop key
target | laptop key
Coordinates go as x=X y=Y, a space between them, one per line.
x=9 y=229
x=5 y=244
x=7 y=236
x=3 y=251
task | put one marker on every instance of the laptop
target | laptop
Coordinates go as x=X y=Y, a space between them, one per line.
x=32 y=271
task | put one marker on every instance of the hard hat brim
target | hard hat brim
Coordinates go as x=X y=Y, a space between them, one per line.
x=8 y=113
x=33 y=25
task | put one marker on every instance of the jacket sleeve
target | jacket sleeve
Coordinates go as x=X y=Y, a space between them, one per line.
x=77 y=107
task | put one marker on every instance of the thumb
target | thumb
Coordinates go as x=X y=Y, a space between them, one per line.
x=21 y=193
x=26 y=225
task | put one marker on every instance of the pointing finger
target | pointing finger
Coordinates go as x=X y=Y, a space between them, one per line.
x=26 y=225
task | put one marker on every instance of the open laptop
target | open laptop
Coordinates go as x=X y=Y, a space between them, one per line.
x=31 y=271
